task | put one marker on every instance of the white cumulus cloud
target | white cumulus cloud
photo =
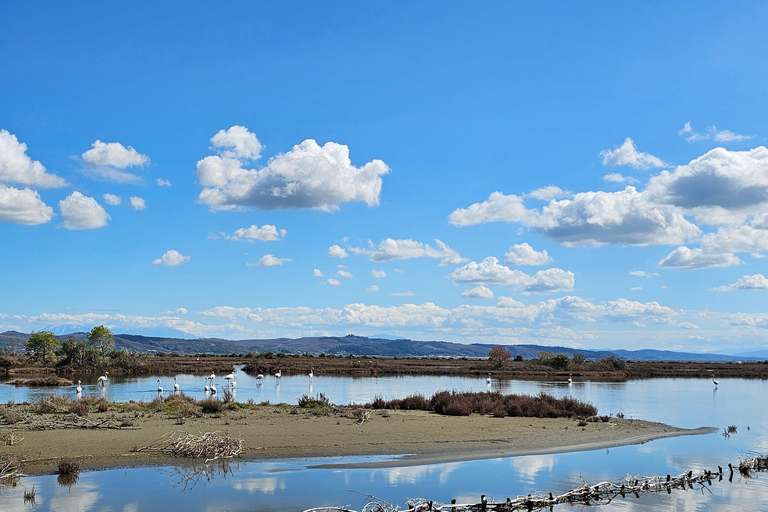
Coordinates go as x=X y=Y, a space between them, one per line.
x=333 y=282
x=171 y=258
x=373 y=288
x=23 y=206
x=307 y=176
x=523 y=254
x=378 y=274
x=269 y=260
x=265 y=233
x=712 y=133
x=624 y=217
x=112 y=199
x=490 y=272
x=478 y=292
x=82 y=212
x=137 y=203
x=238 y=142
x=627 y=154
x=162 y=183
x=317 y=273
x=746 y=282
x=345 y=273
x=17 y=167
x=684 y=257
x=402 y=249
x=720 y=186
x=115 y=155
x=614 y=177
x=336 y=251
x=497 y=208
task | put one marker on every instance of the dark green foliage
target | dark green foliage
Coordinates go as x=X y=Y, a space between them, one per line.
x=102 y=338
x=42 y=345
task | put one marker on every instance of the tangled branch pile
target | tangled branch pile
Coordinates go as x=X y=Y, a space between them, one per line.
x=208 y=445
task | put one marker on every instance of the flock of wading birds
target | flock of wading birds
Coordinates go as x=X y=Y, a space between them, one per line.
x=232 y=381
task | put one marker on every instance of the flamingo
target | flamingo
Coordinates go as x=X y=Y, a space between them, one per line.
x=311 y=373
x=213 y=387
x=488 y=379
x=260 y=377
x=103 y=379
x=570 y=379
x=713 y=380
x=206 y=385
x=79 y=388
x=159 y=387
x=175 y=386
x=278 y=374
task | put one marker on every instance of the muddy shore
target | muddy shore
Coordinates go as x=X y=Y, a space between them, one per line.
x=280 y=431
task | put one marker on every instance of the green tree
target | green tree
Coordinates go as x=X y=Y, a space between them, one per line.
x=102 y=338
x=499 y=355
x=42 y=345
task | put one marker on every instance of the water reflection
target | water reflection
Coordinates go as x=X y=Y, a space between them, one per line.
x=288 y=485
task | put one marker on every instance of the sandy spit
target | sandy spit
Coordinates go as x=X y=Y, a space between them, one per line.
x=279 y=431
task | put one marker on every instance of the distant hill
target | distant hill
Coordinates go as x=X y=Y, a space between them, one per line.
x=361 y=345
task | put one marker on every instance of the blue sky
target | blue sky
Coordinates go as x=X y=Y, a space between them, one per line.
x=586 y=175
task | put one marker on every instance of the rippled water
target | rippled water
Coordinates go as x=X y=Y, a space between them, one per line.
x=292 y=485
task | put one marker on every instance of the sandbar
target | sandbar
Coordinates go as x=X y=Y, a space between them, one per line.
x=288 y=432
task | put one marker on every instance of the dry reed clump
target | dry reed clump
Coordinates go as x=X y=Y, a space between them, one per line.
x=11 y=416
x=210 y=406
x=79 y=408
x=52 y=403
x=453 y=403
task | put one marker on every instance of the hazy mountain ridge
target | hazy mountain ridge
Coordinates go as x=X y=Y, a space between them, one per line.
x=361 y=345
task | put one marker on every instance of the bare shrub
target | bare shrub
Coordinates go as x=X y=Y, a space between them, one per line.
x=11 y=416
x=68 y=467
x=465 y=403
x=79 y=408
x=52 y=403
x=210 y=406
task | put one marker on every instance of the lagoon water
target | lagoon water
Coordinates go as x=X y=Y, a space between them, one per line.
x=290 y=485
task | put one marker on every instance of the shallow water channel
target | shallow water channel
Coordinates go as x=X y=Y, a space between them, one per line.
x=297 y=485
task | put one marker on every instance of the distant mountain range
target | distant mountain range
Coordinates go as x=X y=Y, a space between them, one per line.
x=376 y=346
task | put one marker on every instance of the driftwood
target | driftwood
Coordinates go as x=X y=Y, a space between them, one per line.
x=598 y=494
x=9 y=469
x=208 y=445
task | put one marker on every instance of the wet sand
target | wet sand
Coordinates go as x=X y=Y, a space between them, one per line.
x=278 y=431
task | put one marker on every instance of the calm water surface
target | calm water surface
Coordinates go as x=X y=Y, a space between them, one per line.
x=296 y=485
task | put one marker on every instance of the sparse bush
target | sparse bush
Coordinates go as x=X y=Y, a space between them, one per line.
x=79 y=408
x=210 y=406
x=307 y=402
x=11 y=416
x=52 y=403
